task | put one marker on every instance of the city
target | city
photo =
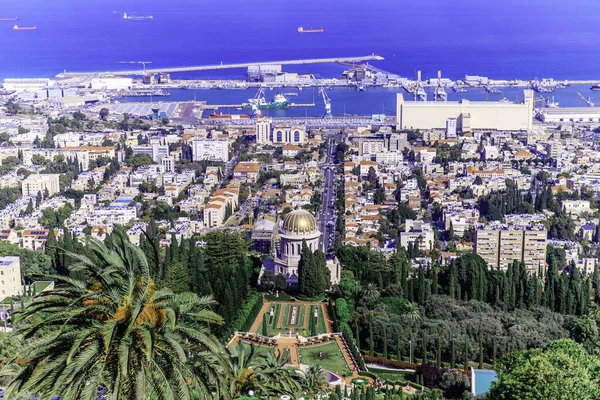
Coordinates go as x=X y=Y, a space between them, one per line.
x=315 y=227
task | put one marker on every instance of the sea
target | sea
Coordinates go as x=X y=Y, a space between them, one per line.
x=501 y=39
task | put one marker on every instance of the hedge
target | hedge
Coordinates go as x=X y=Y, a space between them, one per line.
x=245 y=318
x=389 y=363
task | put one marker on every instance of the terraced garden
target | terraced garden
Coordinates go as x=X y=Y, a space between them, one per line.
x=298 y=318
x=327 y=356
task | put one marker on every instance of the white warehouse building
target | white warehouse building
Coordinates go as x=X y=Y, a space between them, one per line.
x=470 y=115
x=569 y=114
x=111 y=83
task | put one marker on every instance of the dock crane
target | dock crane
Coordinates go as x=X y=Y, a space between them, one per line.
x=587 y=101
x=137 y=62
x=326 y=101
x=420 y=92
x=440 y=92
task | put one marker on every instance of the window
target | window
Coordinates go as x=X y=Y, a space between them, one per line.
x=279 y=136
x=296 y=136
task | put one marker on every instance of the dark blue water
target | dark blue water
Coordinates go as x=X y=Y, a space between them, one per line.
x=496 y=38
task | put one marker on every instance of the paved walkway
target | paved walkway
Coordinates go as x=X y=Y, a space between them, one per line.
x=289 y=344
x=259 y=318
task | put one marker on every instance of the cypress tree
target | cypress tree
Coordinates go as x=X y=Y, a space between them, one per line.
x=452 y=354
x=494 y=351
x=434 y=282
x=174 y=248
x=467 y=353
x=439 y=352
x=264 y=325
x=398 y=349
x=424 y=343
x=421 y=293
x=357 y=334
x=385 y=349
x=371 y=341
x=480 y=353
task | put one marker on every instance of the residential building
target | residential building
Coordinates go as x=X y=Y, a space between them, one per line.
x=40 y=183
x=417 y=232
x=266 y=133
x=246 y=171
x=500 y=244
x=210 y=149
x=10 y=276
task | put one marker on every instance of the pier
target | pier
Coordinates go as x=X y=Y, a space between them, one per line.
x=145 y=71
x=217 y=106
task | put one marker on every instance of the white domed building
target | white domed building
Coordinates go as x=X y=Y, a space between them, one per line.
x=297 y=226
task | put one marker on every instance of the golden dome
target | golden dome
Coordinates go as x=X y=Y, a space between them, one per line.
x=299 y=222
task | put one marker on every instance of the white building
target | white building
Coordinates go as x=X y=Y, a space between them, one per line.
x=266 y=133
x=40 y=183
x=210 y=149
x=111 y=83
x=155 y=151
x=417 y=232
x=451 y=128
x=470 y=115
x=10 y=276
x=22 y=84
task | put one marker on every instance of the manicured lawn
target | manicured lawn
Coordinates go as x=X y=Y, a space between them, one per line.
x=391 y=376
x=332 y=358
x=260 y=350
x=282 y=297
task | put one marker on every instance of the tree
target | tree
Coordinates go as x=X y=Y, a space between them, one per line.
x=562 y=366
x=314 y=379
x=104 y=114
x=114 y=329
x=266 y=375
x=454 y=383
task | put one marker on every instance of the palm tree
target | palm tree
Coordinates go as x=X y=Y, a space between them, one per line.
x=314 y=379
x=109 y=327
x=266 y=375
x=411 y=311
x=371 y=291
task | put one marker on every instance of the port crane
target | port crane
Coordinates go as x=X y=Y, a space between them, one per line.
x=420 y=93
x=587 y=101
x=326 y=101
x=440 y=92
x=137 y=62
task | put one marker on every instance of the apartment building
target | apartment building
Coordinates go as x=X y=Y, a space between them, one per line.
x=40 y=183
x=210 y=149
x=500 y=244
x=10 y=276
x=266 y=133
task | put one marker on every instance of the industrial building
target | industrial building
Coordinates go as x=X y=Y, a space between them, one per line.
x=470 y=115
x=499 y=245
x=570 y=114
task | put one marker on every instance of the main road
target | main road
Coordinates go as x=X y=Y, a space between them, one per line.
x=145 y=71
x=327 y=215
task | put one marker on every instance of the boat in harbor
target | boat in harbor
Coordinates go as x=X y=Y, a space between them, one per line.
x=459 y=89
x=137 y=17
x=24 y=28
x=311 y=30
x=10 y=19
x=595 y=86
x=259 y=102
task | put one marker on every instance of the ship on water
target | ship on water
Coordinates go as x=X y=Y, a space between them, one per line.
x=24 y=28
x=259 y=102
x=311 y=30
x=137 y=17
x=595 y=86
x=10 y=19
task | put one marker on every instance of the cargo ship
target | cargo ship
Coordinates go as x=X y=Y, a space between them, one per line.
x=137 y=17
x=229 y=116
x=311 y=30
x=24 y=28
x=9 y=19
x=259 y=102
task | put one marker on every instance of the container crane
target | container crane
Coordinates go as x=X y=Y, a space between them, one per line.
x=587 y=101
x=326 y=101
x=420 y=93
x=440 y=92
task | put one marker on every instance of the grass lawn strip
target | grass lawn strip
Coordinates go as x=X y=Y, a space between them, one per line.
x=333 y=359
